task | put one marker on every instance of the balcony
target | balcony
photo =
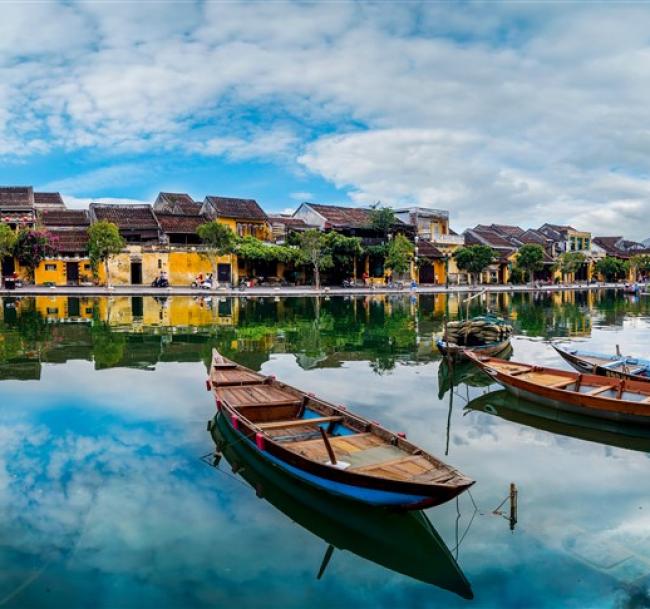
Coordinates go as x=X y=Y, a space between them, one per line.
x=437 y=238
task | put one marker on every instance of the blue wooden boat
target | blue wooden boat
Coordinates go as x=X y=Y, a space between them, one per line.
x=404 y=542
x=605 y=364
x=328 y=447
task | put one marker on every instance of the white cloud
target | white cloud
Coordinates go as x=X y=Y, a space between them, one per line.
x=301 y=197
x=556 y=123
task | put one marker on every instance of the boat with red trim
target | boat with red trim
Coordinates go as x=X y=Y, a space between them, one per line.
x=588 y=394
x=328 y=447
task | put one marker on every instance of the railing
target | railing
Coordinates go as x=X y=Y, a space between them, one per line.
x=442 y=239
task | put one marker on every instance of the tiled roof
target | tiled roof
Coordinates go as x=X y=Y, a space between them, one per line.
x=505 y=229
x=240 y=209
x=179 y=203
x=48 y=200
x=126 y=216
x=489 y=237
x=609 y=244
x=70 y=241
x=289 y=221
x=16 y=197
x=65 y=217
x=532 y=237
x=428 y=250
x=174 y=223
x=338 y=216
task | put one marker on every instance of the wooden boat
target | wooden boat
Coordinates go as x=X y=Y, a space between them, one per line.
x=614 y=366
x=486 y=334
x=458 y=351
x=404 y=542
x=506 y=406
x=464 y=372
x=328 y=447
x=588 y=394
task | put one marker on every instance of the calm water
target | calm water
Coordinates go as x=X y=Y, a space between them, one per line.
x=107 y=499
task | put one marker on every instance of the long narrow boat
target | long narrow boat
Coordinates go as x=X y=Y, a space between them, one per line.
x=328 y=447
x=404 y=542
x=588 y=394
x=604 y=364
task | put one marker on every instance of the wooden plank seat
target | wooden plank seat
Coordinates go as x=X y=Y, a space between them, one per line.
x=233 y=376
x=257 y=395
x=599 y=390
x=298 y=422
x=563 y=384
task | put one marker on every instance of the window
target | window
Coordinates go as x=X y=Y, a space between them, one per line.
x=159 y=263
x=86 y=267
x=52 y=311
x=50 y=267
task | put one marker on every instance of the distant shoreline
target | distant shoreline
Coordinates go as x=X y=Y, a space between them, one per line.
x=294 y=291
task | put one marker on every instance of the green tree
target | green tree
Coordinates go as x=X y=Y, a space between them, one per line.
x=382 y=219
x=315 y=251
x=641 y=264
x=344 y=250
x=474 y=259
x=530 y=258
x=104 y=241
x=33 y=246
x=219 y=241
x=7 y=244
x=400 y=254
x=612 y=268
x=570 y=262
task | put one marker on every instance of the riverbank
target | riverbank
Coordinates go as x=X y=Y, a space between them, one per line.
x=291 y=291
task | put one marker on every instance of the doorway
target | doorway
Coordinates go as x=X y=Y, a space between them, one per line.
x=8 y=266
x=72 y=273
x=223 y=273
x=136 y=273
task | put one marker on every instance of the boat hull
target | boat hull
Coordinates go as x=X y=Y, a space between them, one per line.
x=584 y=366
x=375 y=496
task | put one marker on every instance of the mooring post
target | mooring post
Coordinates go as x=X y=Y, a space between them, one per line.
x=513 y=506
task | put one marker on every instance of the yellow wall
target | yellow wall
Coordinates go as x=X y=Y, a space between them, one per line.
x=44 y=274
x=56 y=307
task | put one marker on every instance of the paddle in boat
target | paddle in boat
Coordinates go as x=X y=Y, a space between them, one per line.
x=326 y=446
x=588 y=394
x=605 y=364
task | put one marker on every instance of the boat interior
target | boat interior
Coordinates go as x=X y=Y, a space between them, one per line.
x=628 y=365
x=320 y=432
x=574 y=382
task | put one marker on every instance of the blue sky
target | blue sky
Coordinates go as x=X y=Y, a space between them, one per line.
x=499 y=112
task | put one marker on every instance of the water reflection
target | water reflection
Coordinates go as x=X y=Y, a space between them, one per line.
x=503 y=404
x=105 y=502
x=405 y=542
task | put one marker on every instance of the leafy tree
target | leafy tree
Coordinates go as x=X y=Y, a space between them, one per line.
x=474 y=259
x=530 y=258
x=33 y=246
x=400 y=254
x=343 y=250
x=315 y=251
x=219 y=241
x=104 y=241
x=251 y=248
x=7 y=243
x=612 y=268
x=570 y=262
x=382 y=219
x=641 y=263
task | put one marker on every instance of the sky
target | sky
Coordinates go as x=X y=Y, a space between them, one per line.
x=518 y=112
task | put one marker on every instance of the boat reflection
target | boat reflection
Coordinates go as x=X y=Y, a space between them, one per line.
x=453 y=374
x=404 y=542
x=506 y=406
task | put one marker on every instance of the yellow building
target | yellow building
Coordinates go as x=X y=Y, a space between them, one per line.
x=243 y=216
